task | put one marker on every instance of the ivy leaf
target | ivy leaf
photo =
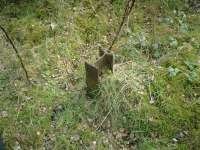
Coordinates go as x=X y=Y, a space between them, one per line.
x=173 y=42
x=183 y=27
x=192 y=76
x=190 y=65
x=173 y=71
x=157 y=54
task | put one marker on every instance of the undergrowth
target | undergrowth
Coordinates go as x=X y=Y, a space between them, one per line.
x=151 y=101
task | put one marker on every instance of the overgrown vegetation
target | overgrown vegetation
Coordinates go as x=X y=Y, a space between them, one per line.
x=151 y=101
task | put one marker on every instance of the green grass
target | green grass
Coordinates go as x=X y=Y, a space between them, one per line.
x=151 y=101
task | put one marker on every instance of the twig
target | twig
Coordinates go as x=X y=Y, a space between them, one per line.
x=17 y=53
x=128 y=9
x=104 y=119
x=95 y=10
x=111 y=109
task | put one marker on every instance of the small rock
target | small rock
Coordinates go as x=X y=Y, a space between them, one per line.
x=105 y=140
x=94 y=142
x=89 y=120
x=38 y=133
x=75 y=138
x=185 y=132
x=28 y=98
x=93 y=146
x=17 y=146
x=53 y=25
x=151 y=101
x=3 y=114
x=181 y=135
x=174 y=140
x=151 y=119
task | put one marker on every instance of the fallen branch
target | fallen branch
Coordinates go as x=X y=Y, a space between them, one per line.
x=17 y=53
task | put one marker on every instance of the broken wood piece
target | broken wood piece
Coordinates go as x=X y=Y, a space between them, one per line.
x=92 y=76
x=93 y=72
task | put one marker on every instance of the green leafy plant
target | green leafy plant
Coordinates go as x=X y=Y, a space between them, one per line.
x=173 y=71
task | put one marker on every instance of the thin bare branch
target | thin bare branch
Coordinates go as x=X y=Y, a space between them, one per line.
x=129 y=7
x=17 y=53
